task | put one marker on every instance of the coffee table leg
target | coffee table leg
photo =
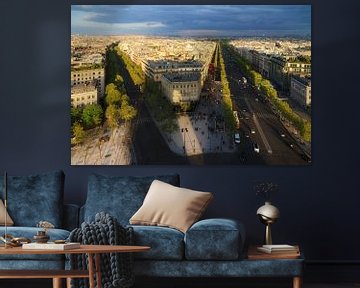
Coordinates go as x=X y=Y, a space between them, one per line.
x=57 y=283
x=91 y=270
x=68 y=282
x=297 y=282
x=98 y=270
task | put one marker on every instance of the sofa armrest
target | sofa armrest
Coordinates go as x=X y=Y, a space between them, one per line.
x=215 y=239
x=71 y=216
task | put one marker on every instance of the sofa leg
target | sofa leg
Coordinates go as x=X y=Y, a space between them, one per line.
x=57 y=283
x=297 y=282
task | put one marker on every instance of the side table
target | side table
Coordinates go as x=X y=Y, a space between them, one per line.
x=255 y=255
x=93 y=251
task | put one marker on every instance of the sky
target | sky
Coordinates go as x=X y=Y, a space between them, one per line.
x=192 y=20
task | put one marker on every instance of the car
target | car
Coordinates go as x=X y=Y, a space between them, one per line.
x=252 y=131
x=237 y=138
x=256 y=148
x=282 y=135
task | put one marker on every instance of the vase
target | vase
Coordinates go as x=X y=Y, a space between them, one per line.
x=41 y=237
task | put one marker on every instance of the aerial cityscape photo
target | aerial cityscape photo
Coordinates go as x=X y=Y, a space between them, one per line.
x=191 y=84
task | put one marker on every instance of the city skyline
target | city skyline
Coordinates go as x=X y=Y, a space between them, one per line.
x=192 y=20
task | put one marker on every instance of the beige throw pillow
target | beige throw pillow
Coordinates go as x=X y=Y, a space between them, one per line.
x=170 y=206
x=10 y=222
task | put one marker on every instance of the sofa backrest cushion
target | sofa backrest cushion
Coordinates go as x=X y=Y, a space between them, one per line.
x=35 y=198
x=120 y=196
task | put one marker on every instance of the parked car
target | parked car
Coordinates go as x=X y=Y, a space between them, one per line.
x=237 y=138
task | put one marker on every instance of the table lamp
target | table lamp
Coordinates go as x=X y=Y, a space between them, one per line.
x=268 y=214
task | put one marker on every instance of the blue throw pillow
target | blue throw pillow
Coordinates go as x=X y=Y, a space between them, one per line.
x=35 y=198
x=120 y=196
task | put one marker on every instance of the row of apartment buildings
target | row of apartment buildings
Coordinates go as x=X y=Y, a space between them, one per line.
x=88 y=69
x=289 y=73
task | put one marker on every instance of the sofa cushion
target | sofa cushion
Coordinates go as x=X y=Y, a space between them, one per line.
x=9 y=221
x=165 y=243
x=29 y=232
x=120 y=196
x=169 y=206
x=35 y=198
x=214 y=239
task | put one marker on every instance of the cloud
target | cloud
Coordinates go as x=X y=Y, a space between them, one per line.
x=180 y=19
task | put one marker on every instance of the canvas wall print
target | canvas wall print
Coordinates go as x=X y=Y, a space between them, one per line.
x=190 y=84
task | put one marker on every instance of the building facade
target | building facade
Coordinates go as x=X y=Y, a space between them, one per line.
x=83 y=94
x=300 y=90
x=89 y=76
x=181 y=87
x=155 y=69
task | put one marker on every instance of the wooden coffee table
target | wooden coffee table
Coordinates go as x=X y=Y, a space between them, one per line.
x=92 y=251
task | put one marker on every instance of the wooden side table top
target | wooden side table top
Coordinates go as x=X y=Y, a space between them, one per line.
x=88 y=249
x=254 y=254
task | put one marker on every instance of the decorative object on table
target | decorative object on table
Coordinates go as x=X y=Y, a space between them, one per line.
x=41 y=236
x=268 y=213
x=11 y=241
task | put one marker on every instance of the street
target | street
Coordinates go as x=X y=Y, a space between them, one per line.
x=259 y=124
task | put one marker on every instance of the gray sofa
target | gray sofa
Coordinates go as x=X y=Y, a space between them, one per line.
x=32 y=199
x=210 y=248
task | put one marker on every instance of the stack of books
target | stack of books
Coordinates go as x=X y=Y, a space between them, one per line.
x=273 y=252
x=51 y=246
x=279 y=249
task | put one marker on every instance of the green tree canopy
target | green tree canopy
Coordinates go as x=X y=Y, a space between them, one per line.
x=78 y=133
x=75 y=114
x=92 y=115
x=113 y=95
x=127 y=111
x=112 y=115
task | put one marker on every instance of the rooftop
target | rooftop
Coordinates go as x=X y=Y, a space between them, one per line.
x=303 y=80
x=174 y=64
x=82 y=88
x=182 y=77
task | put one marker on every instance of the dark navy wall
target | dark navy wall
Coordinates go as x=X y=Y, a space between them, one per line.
x=318 y=203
